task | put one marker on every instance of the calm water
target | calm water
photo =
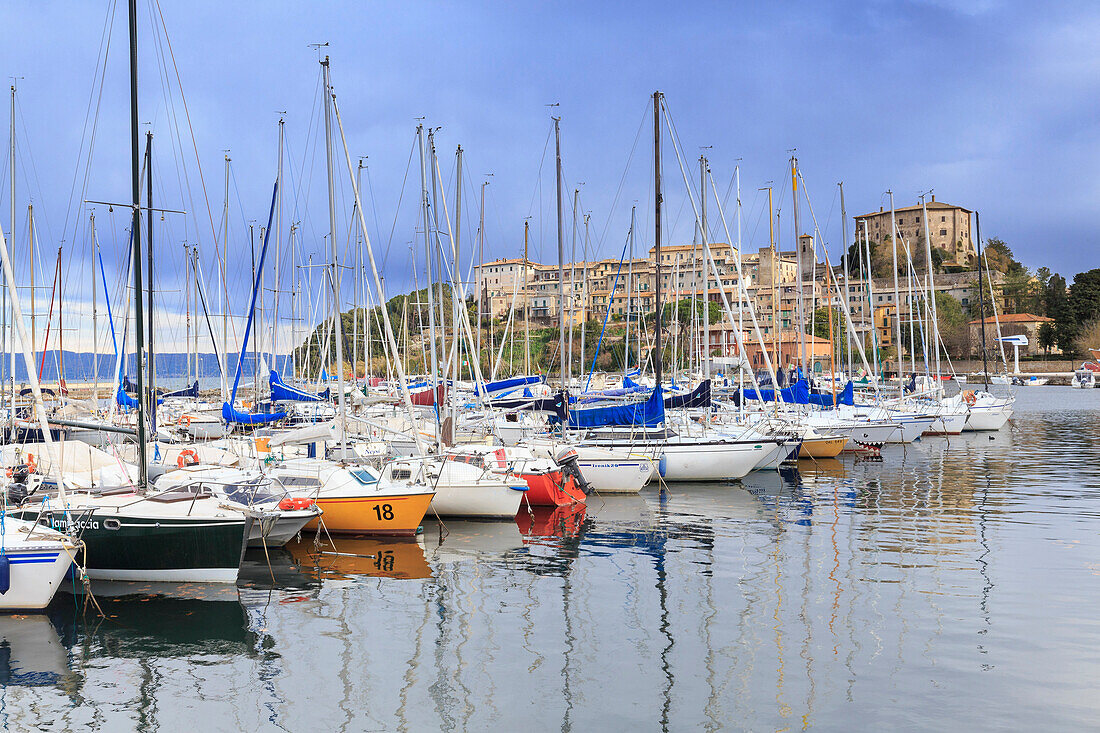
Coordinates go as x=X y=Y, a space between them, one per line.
x=951 y=585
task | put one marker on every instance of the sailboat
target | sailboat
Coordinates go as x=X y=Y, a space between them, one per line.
x=130 y=532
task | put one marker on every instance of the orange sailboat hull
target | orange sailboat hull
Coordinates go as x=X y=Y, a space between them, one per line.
x=398 y=515
x=551 y=489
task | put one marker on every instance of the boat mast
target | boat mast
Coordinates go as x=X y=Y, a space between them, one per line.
x=434 y=362
x=562 y=368
x=9 y=340
x=335 y=266
x=355 y=290
x=798 y=265
x=935 y=327
x=188 y=282
x=456 y=286
x=657 y=232
x=225 y=286
x=705 y=350
x=151 y=365
x=844 y=260
x=981 y=301
x=278 y=251
x=897 y=297
x=479 y=288
x=526 y=313
x=34 y=318
x=135 y=235
x=573 y=281
x=95 y=324
x=584 y=296
x=629 y=291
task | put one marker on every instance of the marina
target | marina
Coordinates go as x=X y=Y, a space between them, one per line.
x=801 y=598
x=618 y=436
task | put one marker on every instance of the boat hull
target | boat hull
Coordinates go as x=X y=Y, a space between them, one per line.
x=551 y=488
x=397 y=515
x=120 y=547
x=951 y=424
x=829 y=447
x=36 y=574
x=709 y=460
x=987 y=418
x=275 y=529
x=496 y=501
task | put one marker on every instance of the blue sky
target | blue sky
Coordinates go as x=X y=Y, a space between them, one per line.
x=991 y=104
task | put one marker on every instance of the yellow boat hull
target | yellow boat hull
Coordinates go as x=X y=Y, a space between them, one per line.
x=396 y=515
x=822 y=447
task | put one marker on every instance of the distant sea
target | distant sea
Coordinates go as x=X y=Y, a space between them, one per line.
x=171 y=368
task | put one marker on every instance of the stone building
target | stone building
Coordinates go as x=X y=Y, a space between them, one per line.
x=948 y=225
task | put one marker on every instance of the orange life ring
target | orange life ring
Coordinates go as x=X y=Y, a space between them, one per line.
x=182 y=459
x=31 y=465
x=185 y=420
x=969 y=397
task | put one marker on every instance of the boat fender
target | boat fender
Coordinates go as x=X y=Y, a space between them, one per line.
x=5 y=574
x=662 y=465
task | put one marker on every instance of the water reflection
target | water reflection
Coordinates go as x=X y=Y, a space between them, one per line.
x=889 y=590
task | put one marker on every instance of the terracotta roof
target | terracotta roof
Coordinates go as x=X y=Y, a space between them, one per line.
x=1015 y=318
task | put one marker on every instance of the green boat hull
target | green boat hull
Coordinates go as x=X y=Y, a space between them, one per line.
x=147 y=549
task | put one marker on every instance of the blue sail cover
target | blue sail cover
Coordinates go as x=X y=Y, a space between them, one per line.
x=845 y=396
x=192 y=391
x=249 y=418
x=648 y=414
x=699 y=397
x=799 y=394
x=131 y=403
x=282 y=392
x=505 y=384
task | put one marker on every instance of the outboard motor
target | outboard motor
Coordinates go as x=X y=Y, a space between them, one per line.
x=17 y=488
x=569 y=467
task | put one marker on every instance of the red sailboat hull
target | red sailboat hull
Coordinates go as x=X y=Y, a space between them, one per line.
x=551 y=489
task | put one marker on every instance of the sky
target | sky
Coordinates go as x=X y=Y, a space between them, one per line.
x=990 y=104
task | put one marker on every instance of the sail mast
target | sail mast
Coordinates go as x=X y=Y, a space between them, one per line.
x=526 y=307
x=705 y=350
x=845 y=268
x=225 y=287
x=135 y=235
x=657 y=232
x=981 y=301
x=562 y=369
x=335 y=266
x=897 y=296
x=9 y=340
x=95 y=323
x=798 y=264
x=151 y=366
x=34 y=318
x=278 y=250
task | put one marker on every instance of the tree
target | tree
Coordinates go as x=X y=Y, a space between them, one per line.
x=999 y=257
x=1084 y=296
x=1089 y=336
x=952 y=324
x=1047 y=339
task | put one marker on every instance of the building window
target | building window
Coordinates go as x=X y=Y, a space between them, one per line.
x=943 y=232
x=943 y=218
